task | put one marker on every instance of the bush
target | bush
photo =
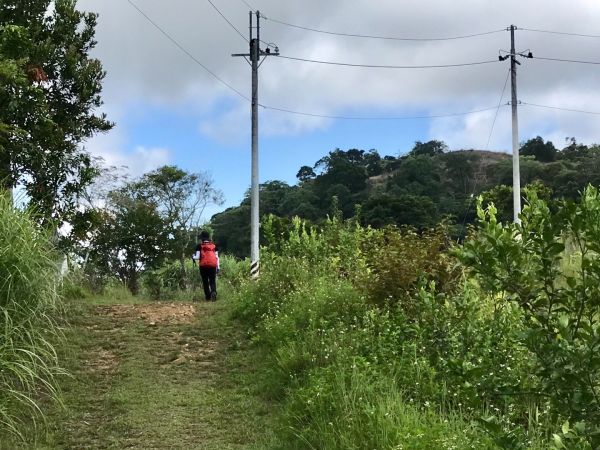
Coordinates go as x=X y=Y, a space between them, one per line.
x=28 y=303
x=401 y=261
x=522 y=266
x=74 y=286
x=233 y=270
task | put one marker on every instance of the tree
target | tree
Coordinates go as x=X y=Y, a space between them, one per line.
x=384 y=209
x=573 y=150
x=340 y=167
x=181 y=198
x=42 y=146
x=429 y=148
x=305 y=173
x=132 y=236
x=232 y=230
x=540 y=150
x=22 y=104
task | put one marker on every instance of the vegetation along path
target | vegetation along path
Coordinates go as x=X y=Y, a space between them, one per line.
x=156 y=376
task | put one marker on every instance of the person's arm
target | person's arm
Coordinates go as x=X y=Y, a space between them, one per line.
x=196 y=256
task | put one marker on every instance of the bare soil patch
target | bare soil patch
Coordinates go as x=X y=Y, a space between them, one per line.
x=153 y=314
x=104 y=361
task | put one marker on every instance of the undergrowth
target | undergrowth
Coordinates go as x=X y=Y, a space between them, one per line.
x=391 y=339
x=29 y=304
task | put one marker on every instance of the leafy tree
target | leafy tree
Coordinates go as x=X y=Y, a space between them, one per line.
x=181 y=198
x=232 y=230
x=305 y=173
x=573 y=150
x=384 y=209
x=132 y=236
x=53 y=56
x=540 y=150
x=419 y=175
x=340 y=167
x=22 y=103
x=373 y=163
x=429 y=148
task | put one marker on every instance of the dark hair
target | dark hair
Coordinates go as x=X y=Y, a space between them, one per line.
x=204 y=236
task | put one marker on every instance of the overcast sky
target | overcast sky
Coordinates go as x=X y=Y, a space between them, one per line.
x=169 y=110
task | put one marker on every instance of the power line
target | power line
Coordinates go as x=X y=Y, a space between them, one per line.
x=248 y=5
x=289 y=111
x=559 y=32
x=487 y=145
x=325 y=116
x=377 y=66
x=560 y=108
x=387 y=38
x=576 y=61
x=227 y=20
x=183 y=49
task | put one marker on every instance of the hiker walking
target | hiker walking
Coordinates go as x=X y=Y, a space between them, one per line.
x=208 y=261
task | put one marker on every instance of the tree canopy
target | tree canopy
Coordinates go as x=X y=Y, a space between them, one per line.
x=49 y=93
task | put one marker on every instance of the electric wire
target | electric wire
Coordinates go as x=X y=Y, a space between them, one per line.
x=387 y=38
x=374 y=118
x=186 y=52
x=249 y=5
x=383 y=66
x=227 y=20
x=563 y=33
x=560 y=108
x=487 y=147
x=340 y=117
x=576 y=61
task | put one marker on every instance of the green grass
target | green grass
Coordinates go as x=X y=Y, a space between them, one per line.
x=29 y=306
x=139 y=385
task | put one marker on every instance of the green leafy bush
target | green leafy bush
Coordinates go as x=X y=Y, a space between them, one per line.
x=522 y=265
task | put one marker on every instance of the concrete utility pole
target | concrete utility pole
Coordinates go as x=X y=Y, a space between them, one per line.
x=515 y=129
x=254 y=55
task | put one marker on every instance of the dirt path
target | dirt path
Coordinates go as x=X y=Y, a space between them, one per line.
x=157 y=376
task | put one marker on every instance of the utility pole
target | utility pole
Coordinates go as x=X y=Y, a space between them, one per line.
x=515 y=128
x=254 y=55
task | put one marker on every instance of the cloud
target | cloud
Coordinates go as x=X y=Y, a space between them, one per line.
x=143 y=65
x=113 y=149
x=473 y=131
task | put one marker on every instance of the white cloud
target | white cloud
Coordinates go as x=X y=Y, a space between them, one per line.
x=143 y=65
x=113 y=149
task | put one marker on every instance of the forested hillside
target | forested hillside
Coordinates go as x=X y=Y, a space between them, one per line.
x=419 y=189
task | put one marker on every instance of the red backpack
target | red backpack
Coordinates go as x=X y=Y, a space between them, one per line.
x=208 y=257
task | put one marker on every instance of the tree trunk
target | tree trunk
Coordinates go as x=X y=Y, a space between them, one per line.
x=183 y=280
x=132 y=282
x=6 y=178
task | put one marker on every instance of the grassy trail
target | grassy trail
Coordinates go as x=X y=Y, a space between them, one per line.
x=156 y=376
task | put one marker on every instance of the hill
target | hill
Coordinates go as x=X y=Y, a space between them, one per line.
x=418 y=189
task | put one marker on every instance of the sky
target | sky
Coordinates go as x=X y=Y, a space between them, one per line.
x=168 y=109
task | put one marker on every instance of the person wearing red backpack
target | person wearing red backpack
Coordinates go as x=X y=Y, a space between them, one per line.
x=207 y=256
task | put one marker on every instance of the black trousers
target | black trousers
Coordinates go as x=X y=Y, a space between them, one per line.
x=209 y=281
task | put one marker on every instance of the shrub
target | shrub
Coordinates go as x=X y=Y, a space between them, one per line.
x=522 y=265
x=401 y=261
x=233 y=270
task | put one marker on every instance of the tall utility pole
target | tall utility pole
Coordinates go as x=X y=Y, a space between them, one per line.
x=515 y=128
x=254 y=55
